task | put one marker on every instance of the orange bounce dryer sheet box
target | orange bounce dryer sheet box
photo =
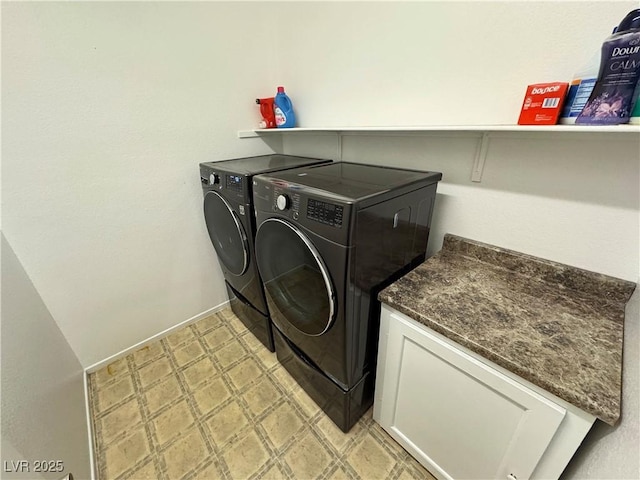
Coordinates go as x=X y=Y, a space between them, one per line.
x=543 y=103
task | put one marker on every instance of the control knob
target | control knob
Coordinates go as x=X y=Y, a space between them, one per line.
x=214 y=179
x=283 y=202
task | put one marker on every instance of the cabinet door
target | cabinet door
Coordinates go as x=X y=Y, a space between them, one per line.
x=456 y=415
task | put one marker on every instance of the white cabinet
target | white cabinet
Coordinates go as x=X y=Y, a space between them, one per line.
x=462 y=416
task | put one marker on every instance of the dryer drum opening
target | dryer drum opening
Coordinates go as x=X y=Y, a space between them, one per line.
x=296 y=280
x=227 y=235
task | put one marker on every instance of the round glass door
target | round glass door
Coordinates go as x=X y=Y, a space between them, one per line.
x=296 y=280
x=226 y=233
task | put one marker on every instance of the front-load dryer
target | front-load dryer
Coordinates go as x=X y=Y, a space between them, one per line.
x=230 y=220
x=329 y=238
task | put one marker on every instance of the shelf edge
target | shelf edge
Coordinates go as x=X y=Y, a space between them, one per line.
x=449 y=128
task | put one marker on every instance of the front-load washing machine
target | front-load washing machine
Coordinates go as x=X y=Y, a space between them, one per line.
x=230 y=219
x=329 y=238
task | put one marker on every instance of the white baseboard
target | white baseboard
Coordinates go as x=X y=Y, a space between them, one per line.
x=127 y=351
x=92 y=465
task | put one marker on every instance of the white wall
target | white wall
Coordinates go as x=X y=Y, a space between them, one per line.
x=44 y=414
x=570 y=198
x=107 y=109
x=430 y=62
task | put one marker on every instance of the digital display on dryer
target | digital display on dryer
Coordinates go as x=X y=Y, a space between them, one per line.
x=323 y=212
x=234 y=182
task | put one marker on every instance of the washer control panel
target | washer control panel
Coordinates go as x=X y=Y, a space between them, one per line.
x=234 y=182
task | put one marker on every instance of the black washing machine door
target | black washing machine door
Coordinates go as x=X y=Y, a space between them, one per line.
x=296 y=279
x=227 y=234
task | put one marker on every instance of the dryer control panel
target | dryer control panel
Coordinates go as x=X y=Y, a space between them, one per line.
x=283 y=200
x=324 y=215
x=324 y=212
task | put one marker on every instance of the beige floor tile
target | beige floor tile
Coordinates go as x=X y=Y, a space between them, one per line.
x=185 y=454
x=181 y=336
x=273 y=473
x=404 y=475
x=124 y=418
x=230 y=354
x=114 y=393
x=370 y=460
x=232 y=321
x=206 y=324
x=187 y=353
x=146 y=472
x=147 y=353
x=212 y=472
x=244 y=373
x=111 y=371
x=341 y=474
x=282 y=425
x=305 y=402
x=252 y=342
x=126 y=453
x=154 y=371
x=215 y=338
x=246 y=457
x=285 y=378
x=261 y=396
x=227 y=423
x=163 y=394
x=307 y=458
x=414 y=469
x=267 y=358
x=172 y=422
x=336 y=437
x=228 y=402
x=211 y=396
x=384 y=438
x=199 y=372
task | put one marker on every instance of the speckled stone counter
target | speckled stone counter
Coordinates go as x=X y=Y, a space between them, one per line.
x=557 y=326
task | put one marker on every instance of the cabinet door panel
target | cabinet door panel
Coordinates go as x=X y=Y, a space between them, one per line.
x=465 y=419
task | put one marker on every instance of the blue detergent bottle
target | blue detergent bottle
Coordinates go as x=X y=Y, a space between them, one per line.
x=285 y=118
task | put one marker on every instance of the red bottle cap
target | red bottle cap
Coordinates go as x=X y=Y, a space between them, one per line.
x=280 y=89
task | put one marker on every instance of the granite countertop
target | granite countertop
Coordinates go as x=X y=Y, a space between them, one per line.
x=557 y=326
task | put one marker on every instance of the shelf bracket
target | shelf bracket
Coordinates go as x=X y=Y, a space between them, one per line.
x=247 y=134
x=481 y=156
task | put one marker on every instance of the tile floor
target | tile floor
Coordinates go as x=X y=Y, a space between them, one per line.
x=211 y=402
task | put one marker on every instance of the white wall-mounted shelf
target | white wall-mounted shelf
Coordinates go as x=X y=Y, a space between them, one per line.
x=448 y=128
x=484 y=132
